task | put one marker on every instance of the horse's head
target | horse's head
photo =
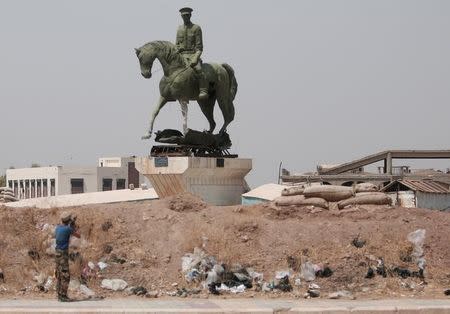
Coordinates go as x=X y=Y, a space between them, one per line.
x=146 y=58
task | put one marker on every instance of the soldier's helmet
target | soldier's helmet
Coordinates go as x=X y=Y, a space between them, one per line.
x=66 y=216
x=186 y=10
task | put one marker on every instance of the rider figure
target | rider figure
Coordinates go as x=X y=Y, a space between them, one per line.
x=190 y=44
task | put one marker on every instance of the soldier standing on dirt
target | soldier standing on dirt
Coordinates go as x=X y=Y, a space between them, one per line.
x=62 y=235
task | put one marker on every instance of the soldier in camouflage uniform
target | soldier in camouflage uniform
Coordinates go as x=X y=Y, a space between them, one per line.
x=62 y=235
x=190 y=44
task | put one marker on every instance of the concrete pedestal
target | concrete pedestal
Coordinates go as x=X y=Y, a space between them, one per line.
x=218 y=181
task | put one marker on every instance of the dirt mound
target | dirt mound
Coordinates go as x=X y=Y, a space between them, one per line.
x=143 y=243
x=186 y=202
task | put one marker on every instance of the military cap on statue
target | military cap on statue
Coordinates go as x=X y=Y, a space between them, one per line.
x=185 y=10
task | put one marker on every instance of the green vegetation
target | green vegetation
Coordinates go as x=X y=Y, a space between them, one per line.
x=3 y=180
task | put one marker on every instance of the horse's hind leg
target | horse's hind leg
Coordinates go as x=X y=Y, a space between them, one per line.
x=227 y=108
x=207 y=107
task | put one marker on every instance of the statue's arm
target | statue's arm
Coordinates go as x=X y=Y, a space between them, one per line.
x=178 y=40
x=198 y=44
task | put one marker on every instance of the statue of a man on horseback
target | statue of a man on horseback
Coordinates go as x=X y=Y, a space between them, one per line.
x=189 y=43
x=187 y=78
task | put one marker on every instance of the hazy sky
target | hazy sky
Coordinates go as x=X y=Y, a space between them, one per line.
x=319 y=81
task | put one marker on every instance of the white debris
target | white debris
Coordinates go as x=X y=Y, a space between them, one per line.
x=48 y=283
x=313 y=286
x=340 y=294
x=237 y=289
x=114 y=284
x=102 y=265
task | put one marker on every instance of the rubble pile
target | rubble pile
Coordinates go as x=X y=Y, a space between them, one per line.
x=332 y=196
x=7 y=195
x=184 y=248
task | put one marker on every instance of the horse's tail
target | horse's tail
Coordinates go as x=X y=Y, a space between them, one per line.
x=233 y=82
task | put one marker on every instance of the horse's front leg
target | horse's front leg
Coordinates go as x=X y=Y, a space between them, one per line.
x=184 y=112
x=161 y=102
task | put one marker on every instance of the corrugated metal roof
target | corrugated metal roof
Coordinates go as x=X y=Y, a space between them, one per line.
x=427 y=186
x=267 y=191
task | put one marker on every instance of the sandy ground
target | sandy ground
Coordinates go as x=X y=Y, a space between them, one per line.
x=150 y=237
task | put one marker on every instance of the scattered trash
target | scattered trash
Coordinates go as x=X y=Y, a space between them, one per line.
x=307 y=271
x=139 y=291
x=218 y=269
x=88 y=273
x=152 y=294
x=48 y=284
x=340 y=295
x=405 y=273
x=257 y=277
x=102 y=265
x=114 y=284
x=284 y=284
x=237 y=289
x=297 y=282
x=358 y=242
x=381 y=268
x=266 y=287
x=324 y=272
x=212 y=278
x=313 y=293
x=417 y=238
x=370 y=273
x=116 y=259
x=192 y=275
x=91 y=265
x=282 y=274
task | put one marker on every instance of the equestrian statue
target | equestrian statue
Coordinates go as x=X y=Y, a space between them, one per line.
x=187 y=78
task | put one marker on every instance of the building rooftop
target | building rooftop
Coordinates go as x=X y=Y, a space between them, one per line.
x=427 y=186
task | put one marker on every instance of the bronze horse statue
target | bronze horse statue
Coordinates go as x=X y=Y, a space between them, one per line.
x=180 y=83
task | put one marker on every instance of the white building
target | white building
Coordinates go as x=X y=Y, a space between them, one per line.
x=114 y=173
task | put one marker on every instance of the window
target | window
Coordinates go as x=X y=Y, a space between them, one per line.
x=120 y=184
x=53 y=187
x=77 y=186
x=107 y=184
x=220 y=162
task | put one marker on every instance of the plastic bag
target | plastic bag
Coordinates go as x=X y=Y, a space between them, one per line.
x=417 y=238
x=307 y=271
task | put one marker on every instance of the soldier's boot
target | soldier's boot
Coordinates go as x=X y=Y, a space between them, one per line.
x=64 y=298
x=203 y=86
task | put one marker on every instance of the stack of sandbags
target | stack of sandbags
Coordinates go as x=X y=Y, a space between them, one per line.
x=295 y=190
x=293 y=196
x=342 y=196
x=366 y=187
x=366 y=198
x=301 y=200
x=330 y=193
x=7 y=195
